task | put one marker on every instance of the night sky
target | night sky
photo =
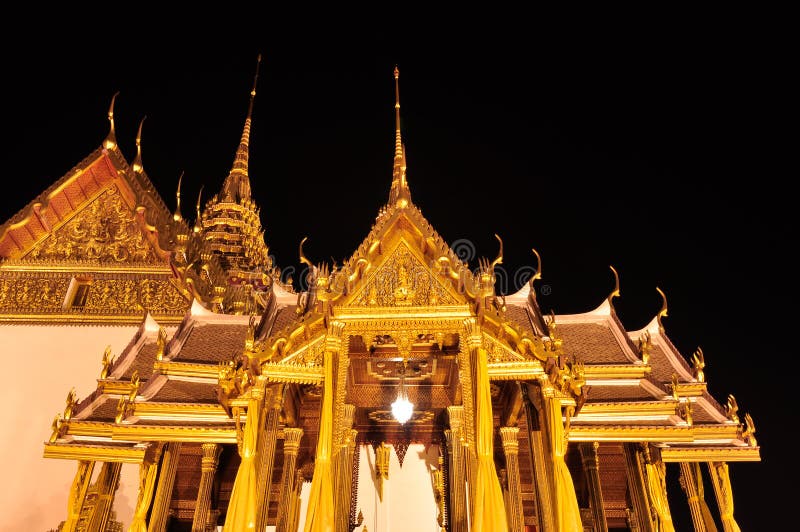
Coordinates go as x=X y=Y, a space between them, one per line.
x=650 y=142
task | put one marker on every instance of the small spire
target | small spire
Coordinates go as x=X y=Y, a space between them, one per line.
x=177 y=216
x=237 y=185
x=137 y=162
x=111 y=138
x=400 y=194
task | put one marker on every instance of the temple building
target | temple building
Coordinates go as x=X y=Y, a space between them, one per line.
x=397 y=391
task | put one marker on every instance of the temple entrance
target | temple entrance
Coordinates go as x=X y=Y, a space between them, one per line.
x=402 y=497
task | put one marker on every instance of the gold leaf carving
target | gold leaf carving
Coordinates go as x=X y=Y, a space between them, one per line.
x=105 y=231
x=403 y=280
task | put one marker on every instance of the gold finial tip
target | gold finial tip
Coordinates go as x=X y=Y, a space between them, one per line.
x=396 y=72
x=259 y=58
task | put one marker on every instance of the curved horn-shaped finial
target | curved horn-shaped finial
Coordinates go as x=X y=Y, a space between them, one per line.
x=197 y=221
x=177 y=216
x=663 y=312
x=111 y=138
x=137 y=161
x=303 y=259
x=614 y=293
x=499 y=259
x=538 y=274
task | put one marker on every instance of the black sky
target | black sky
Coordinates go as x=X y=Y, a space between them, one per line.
x=653 y=142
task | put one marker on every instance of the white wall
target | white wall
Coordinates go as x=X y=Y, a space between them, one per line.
x=40 y=365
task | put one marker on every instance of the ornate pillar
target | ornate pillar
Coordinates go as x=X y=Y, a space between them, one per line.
x=542 y=465
x=291 y=447
x=590 y=467
x=721 y=480
x=344 y=470
x=106 y=485
x=455 y=446
x=692 y=485
x=77 y=494
x=266 y=452
x=208 y=469
x=656 y=471
x=516 y=519
x=634 y=471
x=294 y=509
x=166 y=481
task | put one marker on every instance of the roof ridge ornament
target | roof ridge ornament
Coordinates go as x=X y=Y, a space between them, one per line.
x=198 y=225
x=178 y=216
x=137 y=162
x=663 y=312
x=614 y=293
x=111 y=139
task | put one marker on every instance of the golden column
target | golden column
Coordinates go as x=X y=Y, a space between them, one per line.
x=291 y=447
x=692 y=484
x=208 y=469
x=656 y=471
x=592 y=470
x=77 y=494
x=293 y=520
x=106 y=484
x=455 y=446
x=266 y=452
x=344 y=470
x=721 y=480
x=516 y=519
x=542 y=465
x=166 y=481
x=637 y=488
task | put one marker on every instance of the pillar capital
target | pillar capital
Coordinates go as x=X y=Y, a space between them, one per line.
x=291 y=440
x=509 y=437
x=456 y=416
x=211 y=452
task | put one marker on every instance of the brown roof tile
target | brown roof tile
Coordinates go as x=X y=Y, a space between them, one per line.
x=519 y=315
x=604 y=394
x=284 y=317
x=662 y=367
x=591 y=342
x=143 y=363
x=213 y=343
x=175 y=391
x=106 y=411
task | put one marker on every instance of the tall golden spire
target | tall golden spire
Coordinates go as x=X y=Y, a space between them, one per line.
x=400 y=195
x=237 y=185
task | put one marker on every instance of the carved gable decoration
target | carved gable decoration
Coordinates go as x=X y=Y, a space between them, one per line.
x=105 y=230
x=403 y=280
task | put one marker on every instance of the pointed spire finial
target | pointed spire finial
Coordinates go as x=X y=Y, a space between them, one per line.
x=111 y=138
x=237 y=185
x=614 y=293
x=400 y=194
x=663 y=312
x=137 y=162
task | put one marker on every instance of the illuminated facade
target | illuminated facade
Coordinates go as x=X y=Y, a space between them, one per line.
x=247 y=404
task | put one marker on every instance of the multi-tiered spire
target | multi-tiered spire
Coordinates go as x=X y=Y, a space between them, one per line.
x=230 y=235
x=237 y=185
x=399 y=195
